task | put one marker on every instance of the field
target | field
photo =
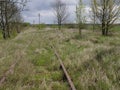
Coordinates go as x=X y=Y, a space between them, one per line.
x=92 y=60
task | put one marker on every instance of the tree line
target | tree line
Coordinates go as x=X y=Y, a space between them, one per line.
x=105 y=13
x=10 y=16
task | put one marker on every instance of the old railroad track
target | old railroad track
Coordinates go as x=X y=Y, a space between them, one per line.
x=12 y=67
x=67 y=76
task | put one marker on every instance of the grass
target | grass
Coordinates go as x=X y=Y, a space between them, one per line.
x=93 y=61
x=116 y=28
x=13 y=34
x=0 y=34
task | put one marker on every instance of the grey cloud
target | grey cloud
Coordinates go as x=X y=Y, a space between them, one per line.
x=37 y=6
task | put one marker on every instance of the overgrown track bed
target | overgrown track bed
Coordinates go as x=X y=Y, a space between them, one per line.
x=63 y=68
x=67 y=76
x=91 y=61
x=10 y=71
x=12 y=67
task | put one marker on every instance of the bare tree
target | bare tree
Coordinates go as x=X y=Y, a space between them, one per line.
x=8 y=9
x=93 y=18
x=106 y=13
x=16 y=22
x=60 y=12
x=80 y=16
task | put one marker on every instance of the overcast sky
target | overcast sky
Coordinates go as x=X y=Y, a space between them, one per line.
x=44 y=8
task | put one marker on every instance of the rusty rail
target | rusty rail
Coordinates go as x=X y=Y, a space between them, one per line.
x=64 y=69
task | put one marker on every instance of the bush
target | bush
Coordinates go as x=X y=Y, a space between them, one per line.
x=41 y=26
x=25 y=24
x=69 y=25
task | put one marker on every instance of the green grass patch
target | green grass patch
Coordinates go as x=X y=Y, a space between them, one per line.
x=59 y=86
x=70 y=48
x=1 y=37
x=57 y=76
x=44 y=58
x=41 y=26
x=116 y=28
